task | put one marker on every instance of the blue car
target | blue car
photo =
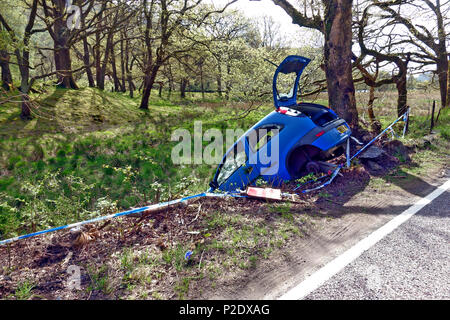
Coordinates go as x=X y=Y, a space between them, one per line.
x=288 y=143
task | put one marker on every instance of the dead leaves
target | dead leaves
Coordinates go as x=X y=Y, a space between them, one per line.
x=85 y=237
x=161 y=244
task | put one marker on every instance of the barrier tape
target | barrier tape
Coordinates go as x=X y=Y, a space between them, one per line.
x=405 y=118
x=124 y=213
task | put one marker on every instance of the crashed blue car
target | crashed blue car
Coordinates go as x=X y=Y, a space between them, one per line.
x=289 y=142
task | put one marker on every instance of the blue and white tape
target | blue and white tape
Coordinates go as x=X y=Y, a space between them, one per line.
x=404 y=116
x=121 y=214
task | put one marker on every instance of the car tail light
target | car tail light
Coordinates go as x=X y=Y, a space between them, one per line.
x=320 y=133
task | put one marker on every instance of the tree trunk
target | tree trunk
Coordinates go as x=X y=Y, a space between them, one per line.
x=86 y=57
x=129 y=68
x=228 y=83
x=443 y=64
x=447 y=104
x=338 y=60
x=370 y=104
x=160 y=89
x=117 y=85
x=442 y=68
x=23 y=62
x=6 y=72
x=148 y=84
x=219 y=79
x=63 y=62
x=101 y=73
x=25 y=113
x=122 y=66
x=147 y=90
x=202 y=85
x=60 y=33
x=374 y=124
x=170 y=84
x=86 y=61
x=183 y=85
x=370 y=80
x=63 y=65
x=99 y=78
x=402 y=95
x=131 y=86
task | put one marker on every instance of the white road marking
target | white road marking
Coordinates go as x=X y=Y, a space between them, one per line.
x=325 y=273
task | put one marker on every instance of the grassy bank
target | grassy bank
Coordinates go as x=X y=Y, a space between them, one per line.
x=88 y=152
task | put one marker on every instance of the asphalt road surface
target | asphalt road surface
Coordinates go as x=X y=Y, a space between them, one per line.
x=412 y=262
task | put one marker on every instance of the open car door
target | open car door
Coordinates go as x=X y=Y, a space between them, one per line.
x=286 y=80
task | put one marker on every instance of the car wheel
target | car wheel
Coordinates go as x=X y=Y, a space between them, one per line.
x=312 y=167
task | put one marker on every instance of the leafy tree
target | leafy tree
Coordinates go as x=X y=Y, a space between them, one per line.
x=429 y=40
x=163 y=19
x=22 y=53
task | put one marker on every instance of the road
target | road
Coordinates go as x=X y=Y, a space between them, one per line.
x=411 y=262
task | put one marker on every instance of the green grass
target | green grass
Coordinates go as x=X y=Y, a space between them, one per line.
x=99 y=280
x=93 y=147
x=24 y=290
x=175 y=257
x=70 y=111
x=243 y=240
x=182 y=286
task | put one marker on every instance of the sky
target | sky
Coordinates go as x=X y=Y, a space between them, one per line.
x=255 y=9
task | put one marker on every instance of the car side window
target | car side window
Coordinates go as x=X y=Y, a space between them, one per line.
x=262 y=135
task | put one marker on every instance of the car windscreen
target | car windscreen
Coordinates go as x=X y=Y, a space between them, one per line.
x=233 y=161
